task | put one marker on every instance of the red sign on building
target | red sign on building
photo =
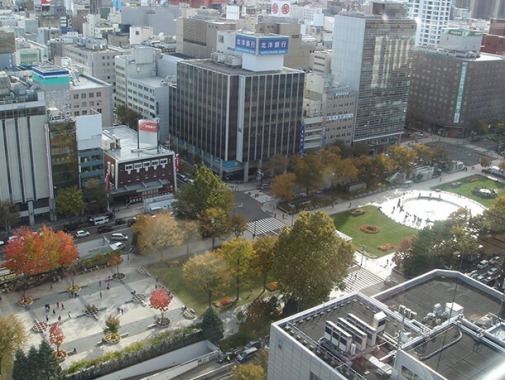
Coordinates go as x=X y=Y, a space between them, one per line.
x=148 y=126
x=177 y=161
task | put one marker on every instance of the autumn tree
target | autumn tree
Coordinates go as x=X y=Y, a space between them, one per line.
x=402 y=157
x=477 y=128
x=115 y=259
x=95 y=196
x=214 y=223
x=310 y=259
x=205 y=192
x=207 y=272
x=9 y=215
x=309 y=173
x=492 y=220
x=262 y=261
x=501 y=166
x=283 y=186
x=12 y=336
x=160 y=300
x=334 y=167
x=155 y=235
x=249 y=372
x=402 y=252
x=69 y=202
x=56 y=336
x=485 y=162
x=238 y=224
x=277 y=164
x=238 y=254
x=33 y=253
x=423 y=152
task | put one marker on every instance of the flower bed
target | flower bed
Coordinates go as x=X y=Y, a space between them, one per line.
x=39 y=327
x=357 y=212
x=162 y=321
x=386 y=247
x=60 y=355
x=25 y=301
x=271 y=286
x=473 y=179
x=118 y=276
x=73 y=288
x=112 y=338
x=370 y=229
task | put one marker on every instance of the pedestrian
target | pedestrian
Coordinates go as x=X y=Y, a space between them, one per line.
x=69 y=294
x=51 y=285
x=99 y=284
x=118 y=310
x=62 y=306
x=108 y=278
x=69 y=315
x=57 y=305
x=156 y=279
x=59 y=318
x=100 y=294
x=47 y=318
x=54 y=312
x=350 y=204
x=108 y=286
x=155 y=286
x=122 y=311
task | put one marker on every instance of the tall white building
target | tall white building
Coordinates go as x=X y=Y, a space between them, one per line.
x=432 y=16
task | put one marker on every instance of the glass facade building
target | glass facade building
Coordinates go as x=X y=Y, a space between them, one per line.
x=234 y=118
x=372 y=54
x=64 y=158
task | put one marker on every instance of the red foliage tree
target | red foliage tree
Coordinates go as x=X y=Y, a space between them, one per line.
x=56 y=336
x=160 y=300
x=115 y=260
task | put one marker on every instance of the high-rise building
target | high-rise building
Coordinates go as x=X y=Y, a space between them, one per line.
x=236 y=112
x=372 y=55
x=432 y=16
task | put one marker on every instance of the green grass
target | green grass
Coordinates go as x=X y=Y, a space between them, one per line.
x=171 y=277
x=390 y=231
x=466 y=187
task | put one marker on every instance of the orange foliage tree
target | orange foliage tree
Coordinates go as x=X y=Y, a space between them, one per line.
x=115 y=260
x=160 y=300
x=56 y=336
x=33 y=253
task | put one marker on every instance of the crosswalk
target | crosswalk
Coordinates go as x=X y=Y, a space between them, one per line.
x=267 y=226
x=359 y=279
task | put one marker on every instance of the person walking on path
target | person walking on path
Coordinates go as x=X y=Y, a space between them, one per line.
x=100 y=294
x=69 y=315
x=108 y=286
x=62 y=306
x=54 y=312
x=57 y=305
x=99 y=284
x=47 y=318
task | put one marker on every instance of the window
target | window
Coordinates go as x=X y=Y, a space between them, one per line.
x=128 y=167
x=163 y=161
x=76 y=96
x=91 y=95
x=83 y=96
x=76 y=113
x=84 y=104
x=147 y=164
x=98 y=94
x=91 y=104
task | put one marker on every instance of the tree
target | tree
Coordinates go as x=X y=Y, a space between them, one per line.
x=69 y=202
x=205 y=192
x=155 y=235
x=212 y=325
x=12 y=336
x=402 y=157
x=46 y=365
x=56 y=336
x=501 y=166
x=9 y=215
x=263 y=257
x=115 y=259
x=33 y=253
x=95 y=196
x=277 y=164
x=21 y=368
x=485 y=162
x=112 y=325
x=283 y=186
x=249 y=372
x=423 y=152
x=309 y=174
x=402 y=252
x=206 y=272
x=238 y=224
x=128 y=116
x=160 y=300
x=492 y=220
x=33 y=357
x=477 y=128
x=310 y=259
x=238 y=254
x=214 y=223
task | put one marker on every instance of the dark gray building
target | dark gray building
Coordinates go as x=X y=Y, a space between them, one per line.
x=233 y=118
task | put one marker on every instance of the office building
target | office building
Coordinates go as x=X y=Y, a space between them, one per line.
x=449 y=89
x=89 y=147
x=372 y=55
x=485 y=9
x=432 y=16
x=441 y=325
x=236 y=112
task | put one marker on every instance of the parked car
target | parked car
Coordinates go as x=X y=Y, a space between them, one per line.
x=2 y=243
x=70 y=227
x=494 y=260
x=131 y=222
x=492 y=271
x=117 y=246
x=120 y=221
x=481 y=278
x=253 y=343
x=103 y=229
x=81 y=233
x=483 y=264
x=247 y=354
x=118 y=236
x=226 y=356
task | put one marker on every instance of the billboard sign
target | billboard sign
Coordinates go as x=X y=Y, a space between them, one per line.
x=177 y=162
x=148 y=126
x=245 y=44
x=273 y=45
x=281 y=8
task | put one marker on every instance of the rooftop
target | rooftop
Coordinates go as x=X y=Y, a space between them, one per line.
x=235 y=70
x=85 y=82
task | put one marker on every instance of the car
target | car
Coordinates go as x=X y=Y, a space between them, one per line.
x=70 y=227
x=481 y=278
x=15 y=237
x=117 y=246
x=131 y=222
x=2 y=243
x=247 y=354
x=419 y=134
x=118 y=236
x=253 y=343
x=119 y=221
x=103 y=229
x=226 y=356
x=494 y=260
x=483 y=264
x=492 y=272
x=81 y=233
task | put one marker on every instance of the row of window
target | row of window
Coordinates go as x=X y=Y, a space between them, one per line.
x=146 y=164
x=90 y=95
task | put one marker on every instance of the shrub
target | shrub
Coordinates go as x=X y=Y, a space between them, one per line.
x=112 y=325
x=370 y=229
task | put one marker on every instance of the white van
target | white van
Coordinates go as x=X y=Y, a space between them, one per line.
x=100 y=220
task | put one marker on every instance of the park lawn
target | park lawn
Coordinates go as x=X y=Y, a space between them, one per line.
x=470 y=183
x=390 y=231
x=171 y=277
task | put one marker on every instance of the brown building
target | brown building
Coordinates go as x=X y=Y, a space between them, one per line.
x=136 y=171
x=448 y=90
x=494 y=42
